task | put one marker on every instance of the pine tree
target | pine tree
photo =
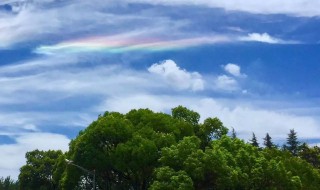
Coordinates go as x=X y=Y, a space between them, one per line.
x=254 y=141
x=268 y=142
x=233 y=134
x=293 y=144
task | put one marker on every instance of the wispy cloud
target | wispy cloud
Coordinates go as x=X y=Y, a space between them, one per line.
x=291 y=7
x=265 y=38
x=127 y=43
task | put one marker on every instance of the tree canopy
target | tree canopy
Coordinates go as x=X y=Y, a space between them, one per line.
x=146 y=150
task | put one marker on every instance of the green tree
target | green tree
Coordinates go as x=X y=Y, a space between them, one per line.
x=310 y=154
x=124 y=148
x=233 y=133
x=212 y=128
x=143 y=150
x=8 y=184
x=38 y=171
x=167 y=178
x=293 y=145
x=186 y=115
x=254 y=141
x=268 y=141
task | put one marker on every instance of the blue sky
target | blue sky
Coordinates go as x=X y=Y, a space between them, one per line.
x=252 y=63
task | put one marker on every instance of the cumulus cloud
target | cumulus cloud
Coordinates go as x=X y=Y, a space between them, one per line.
x=177 y=77
x=13 y=155
x=233 y=69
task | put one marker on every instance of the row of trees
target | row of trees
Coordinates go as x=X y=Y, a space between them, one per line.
x=146 y=150
x=292 y=145
x=8 y=184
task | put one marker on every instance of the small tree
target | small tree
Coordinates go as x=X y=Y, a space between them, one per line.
x=293 y=145
x=254 y=141
x=38 y=171
x=268 y=141
x=233 y=133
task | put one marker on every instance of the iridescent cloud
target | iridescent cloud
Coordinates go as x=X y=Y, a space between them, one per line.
x=115 y=44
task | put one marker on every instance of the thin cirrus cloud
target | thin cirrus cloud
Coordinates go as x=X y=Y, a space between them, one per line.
x=290 y=7
x=47 y=24
x=137 y=41
x=126 y=43
x=50 y=22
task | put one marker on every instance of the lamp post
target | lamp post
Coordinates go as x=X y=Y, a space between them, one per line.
x=84 y=169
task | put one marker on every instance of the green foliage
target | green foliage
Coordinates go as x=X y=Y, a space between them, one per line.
x=212 y=128
x=233 y=133
x=268 y=141
x=293 y=145
x=186 y=115
x=38 y=171
x=8 y=184
x=145 y=150
x=254 y=141
x=124 y=148
x=310 y=154
x=169 y=179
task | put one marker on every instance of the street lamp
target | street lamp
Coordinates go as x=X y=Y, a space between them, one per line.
x=88 y=171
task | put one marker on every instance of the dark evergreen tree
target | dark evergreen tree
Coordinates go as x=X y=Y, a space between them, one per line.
x=268 y=141
x=293 y=144
x=233 y=133
x=254 y=141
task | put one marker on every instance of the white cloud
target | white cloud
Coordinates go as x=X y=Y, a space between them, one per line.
x=290 y=7
x=13 y=155
x=265 y=38
x=233 y=69
x=177 y=77
x=27 y=25
x=37 y=21
x=224 y=82
x=244 y=118
x=39 y=64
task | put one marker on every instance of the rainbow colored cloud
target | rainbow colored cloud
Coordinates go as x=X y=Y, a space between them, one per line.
x=116 y=44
